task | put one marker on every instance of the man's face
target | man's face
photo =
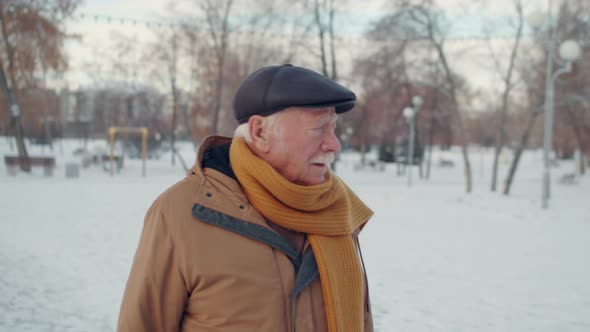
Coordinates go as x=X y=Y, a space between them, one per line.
x=303 y=144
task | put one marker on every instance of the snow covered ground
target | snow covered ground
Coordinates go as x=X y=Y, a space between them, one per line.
x=438 y=259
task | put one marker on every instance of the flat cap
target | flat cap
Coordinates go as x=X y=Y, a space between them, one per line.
x=274 y=88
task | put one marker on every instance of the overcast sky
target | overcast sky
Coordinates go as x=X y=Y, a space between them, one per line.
x=468 y=20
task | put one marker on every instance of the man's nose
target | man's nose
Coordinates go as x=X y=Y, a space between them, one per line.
x=331 y=143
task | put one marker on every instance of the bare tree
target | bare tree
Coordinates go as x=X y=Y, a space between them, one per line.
x=173 y=47
x=324 y=20
x=572 y=104
x=388 y=87
x=382 y=74
x=32 y=39
x=571 y=23
x=522 y=145
x=229 y=47
x=217 y=15
x=532 y=82
x=430 y=21
x=423 y=21
x=507 y=79
x=324 y=13
x=268 y=36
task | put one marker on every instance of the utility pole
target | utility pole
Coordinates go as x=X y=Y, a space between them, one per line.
x=16 y=123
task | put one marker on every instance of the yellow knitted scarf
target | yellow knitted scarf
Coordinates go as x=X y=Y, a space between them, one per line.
x=329 y=213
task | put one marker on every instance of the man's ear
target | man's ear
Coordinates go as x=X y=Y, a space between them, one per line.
x=259 y=132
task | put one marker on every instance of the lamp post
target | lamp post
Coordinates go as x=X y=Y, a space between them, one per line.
x=410 y=115
x=569 y=51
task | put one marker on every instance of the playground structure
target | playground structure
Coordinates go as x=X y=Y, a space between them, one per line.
x=113 y=131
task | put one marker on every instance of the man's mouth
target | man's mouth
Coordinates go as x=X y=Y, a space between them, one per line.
x=323 y=160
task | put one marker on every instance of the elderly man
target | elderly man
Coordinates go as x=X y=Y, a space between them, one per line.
x=260 y=235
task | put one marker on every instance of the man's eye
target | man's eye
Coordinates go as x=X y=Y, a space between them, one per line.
x=319 y=129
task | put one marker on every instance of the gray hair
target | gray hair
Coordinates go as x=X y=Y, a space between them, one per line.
x=243 y=130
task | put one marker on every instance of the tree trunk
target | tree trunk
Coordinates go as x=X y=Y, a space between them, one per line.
x=188 y=126
x=48 y=135
x=332 y=47
x=431 y=127
x=172 y=72
x=16 y=122
x=501 y=132
x=519 y=150
x=220 y=45
x=321 y=33
x=467 y=165
x=458 y=119
x=497 y=151
x=9 y=138
x=438 y=46
x=579 y=136
x=464 y=151
x=182 y=163
x=363 y=151
x=430 y=142
x=363 y=136
x=218 y=92
x=11 y=99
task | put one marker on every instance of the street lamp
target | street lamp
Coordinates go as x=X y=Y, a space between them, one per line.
x=410 y=115
x=569 y=51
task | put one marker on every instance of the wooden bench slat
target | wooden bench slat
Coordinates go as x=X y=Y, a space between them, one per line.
x=33 y=161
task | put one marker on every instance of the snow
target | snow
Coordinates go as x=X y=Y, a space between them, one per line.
x=437 y=259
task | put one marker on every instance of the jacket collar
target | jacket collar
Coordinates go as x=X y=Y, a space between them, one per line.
x=208 y=142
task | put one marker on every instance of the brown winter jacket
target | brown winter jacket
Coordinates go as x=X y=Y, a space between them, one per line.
x=207 y=261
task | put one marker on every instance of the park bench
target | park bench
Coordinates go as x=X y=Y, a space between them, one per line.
x=105 y=159
x=568 y=179
x=101 y=159
x=14 y=162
